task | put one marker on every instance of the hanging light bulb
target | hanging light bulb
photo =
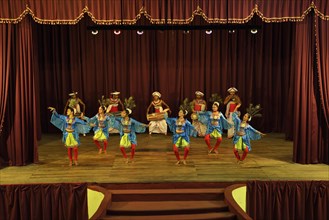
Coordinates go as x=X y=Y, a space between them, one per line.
x=139 y=32
x=94 y=32
x=253 y=31
x=208 y=31
x=117 y=32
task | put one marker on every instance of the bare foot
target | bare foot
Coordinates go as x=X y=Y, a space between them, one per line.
x=184 y=162
x=177 y=163
x=126 y=160
x=76 y=163
x=132 y=161
x=216 y=151
x=210 y=151
x=99 y=151
x=105 y=152
x=70 y=163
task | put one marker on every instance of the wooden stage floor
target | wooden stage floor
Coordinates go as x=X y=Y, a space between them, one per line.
x=270 y=159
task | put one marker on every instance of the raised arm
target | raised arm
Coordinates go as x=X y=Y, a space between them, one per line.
x=167 y=106
x=67 y=104
x=83 y=104
x=148 y=109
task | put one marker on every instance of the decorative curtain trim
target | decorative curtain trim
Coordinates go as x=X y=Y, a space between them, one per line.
x=318 y=71
x=142 y=11
x=116 y=21
x=321 y=15
x=284 y=19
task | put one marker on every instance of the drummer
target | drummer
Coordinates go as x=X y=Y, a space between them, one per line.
x=113 y=108
x=198 y=105
x=157 y=120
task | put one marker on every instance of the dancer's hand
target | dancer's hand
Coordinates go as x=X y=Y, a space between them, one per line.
x=92 y=125
x=52 y=109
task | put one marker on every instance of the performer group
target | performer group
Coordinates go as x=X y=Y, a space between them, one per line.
x=113 y=116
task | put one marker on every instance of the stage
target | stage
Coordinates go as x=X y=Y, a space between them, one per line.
x=270 y=159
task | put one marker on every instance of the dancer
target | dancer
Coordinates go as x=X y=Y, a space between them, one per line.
x=233 y=103
x=74 y=102
x=181 y=129
x=157 y=122
x=198 y=105
x=128 y=128
x=71 y=126
x=244 y=132
x=113 y=108
x=215 y=123
x=100 y=124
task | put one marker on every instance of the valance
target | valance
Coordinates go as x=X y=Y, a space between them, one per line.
x=160 y=11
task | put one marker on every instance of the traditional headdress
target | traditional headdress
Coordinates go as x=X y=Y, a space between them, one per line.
x=104 y=101
x=156 y=94
x=215 y=98
x=232 y=89
x=253 y=111
x=115 y=93
x=185 y=106
x=129 y=111
x=199 y=93
x=73 y=93
x=129 y=103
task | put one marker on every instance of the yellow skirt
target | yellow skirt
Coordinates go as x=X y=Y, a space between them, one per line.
x=70 y=141
x=125 y=142
x=215 y=134
x=181 y=142
x=99 y=135
x=240 y=145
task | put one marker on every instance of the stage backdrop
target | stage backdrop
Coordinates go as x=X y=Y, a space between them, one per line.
x=47 y=54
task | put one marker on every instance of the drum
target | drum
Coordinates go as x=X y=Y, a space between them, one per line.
x=156 y=116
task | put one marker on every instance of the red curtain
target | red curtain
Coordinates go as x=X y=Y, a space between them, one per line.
x=21 y=120
x=45 y=201
x=288 y=200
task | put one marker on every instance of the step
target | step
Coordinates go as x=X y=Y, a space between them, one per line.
x=168 y=194
x=165 y=207
x=211 y=215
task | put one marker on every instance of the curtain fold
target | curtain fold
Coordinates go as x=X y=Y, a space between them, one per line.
x=44 y=201
x=21 y=121
x=300 y=200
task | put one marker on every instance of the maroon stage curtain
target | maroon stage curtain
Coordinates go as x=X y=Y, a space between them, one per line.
x=300 y=200
x=18 y=139
x=311 y=130
x=44 y=201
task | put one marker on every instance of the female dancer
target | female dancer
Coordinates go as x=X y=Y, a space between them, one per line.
x=100 y=122
x=160 y=125
x=71 y=126
x=232 y=102
x=128 y=128
x=243 y=134
x=215 y=123
x=181 y=129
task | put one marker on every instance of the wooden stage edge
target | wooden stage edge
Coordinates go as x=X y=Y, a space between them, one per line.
x=270 y=159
